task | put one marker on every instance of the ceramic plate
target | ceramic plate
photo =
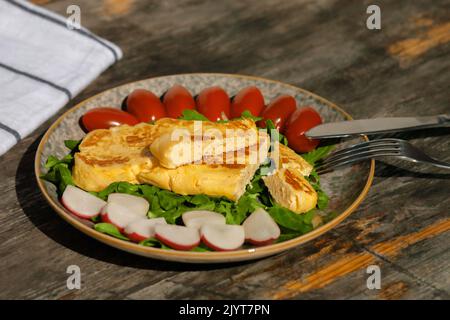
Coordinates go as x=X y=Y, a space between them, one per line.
x=346 y=187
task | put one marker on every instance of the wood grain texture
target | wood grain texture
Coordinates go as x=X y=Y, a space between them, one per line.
x=323 y=46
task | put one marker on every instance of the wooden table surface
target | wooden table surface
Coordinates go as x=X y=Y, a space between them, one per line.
x=323 y=46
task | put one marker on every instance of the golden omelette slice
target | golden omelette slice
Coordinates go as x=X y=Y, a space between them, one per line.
x=287 y=184
x=122 y=154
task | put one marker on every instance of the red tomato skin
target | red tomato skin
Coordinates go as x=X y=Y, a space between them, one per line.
x=177 y=99
x=278 y=110
x=299 y=122
x=105 y=118
x=249 y=98
x=214 y=103
x=145 y=105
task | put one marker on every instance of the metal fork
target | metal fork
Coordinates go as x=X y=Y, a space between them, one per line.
x=378 y=148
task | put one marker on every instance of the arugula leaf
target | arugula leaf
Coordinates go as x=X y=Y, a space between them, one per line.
x=275 y=135
x=60 y=175
x=288 y=236
x=249 y=115
x=120 y=187
x=322 y=197
x=189 y=114
x=246 y=204
x=53 y=161
x=290 y=220
x=203 y=202
x=201 y=248
x=315 y=155
x=152 y=242
x=72 y=144
x=109 y=229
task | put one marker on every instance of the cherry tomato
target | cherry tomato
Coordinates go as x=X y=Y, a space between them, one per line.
x=145 y=106
x=177 y=99
x=105 y=118
x=250 y=99
x=214 y=103
x=278 y=111
x=299 y=122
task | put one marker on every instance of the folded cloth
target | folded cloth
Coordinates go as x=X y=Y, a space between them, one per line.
x=43 y=65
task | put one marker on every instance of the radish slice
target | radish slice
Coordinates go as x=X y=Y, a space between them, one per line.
x=81 y=203
x=260 y=228
x=135 y=204
x=177 y=237
x=196 y=219
x=119 y=215
x=142 y=229
x=223 y=237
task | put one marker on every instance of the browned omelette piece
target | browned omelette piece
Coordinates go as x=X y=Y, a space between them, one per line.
x=122 y=154
x=111 y=155
x=228 y=177
x=183 y=142
x=287 y=184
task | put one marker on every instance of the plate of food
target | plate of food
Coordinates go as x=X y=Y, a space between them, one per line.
x=198 y=168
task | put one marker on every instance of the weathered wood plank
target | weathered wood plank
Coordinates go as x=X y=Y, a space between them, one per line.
x=324 y=47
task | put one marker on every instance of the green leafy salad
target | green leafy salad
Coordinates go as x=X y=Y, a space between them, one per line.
x=171 y=206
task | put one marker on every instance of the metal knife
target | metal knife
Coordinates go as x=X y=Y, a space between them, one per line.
x=377 y=125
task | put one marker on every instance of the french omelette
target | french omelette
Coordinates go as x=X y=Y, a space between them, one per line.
x=188 y=142
x=227 y=180
x=123 y=154
x=143 y=154
x=287 y=184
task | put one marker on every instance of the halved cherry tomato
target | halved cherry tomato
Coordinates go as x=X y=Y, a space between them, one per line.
x=278 y=111
x=214 y=103
x=145 y=105
x=177 y=99
x=250 y=99
x=299 y=122
x=105 y=118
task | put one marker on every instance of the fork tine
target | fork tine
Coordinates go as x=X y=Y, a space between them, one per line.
x=327 y=166
x=364 y=149
x=357 y=146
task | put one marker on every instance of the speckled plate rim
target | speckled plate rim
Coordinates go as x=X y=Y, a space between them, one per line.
x=189 y=256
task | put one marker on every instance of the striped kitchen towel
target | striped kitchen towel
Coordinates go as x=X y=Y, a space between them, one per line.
x=43 y=65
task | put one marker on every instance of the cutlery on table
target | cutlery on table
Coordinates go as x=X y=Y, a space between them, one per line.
x=396 y=148
x=376 y=126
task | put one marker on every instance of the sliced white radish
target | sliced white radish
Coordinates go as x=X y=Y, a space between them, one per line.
x=142 y=229
x=222 y=237
x=260 y=228
x=198 y=218
x=81 y=203
x=137 y=205
x=119 y=215
x=177 y=237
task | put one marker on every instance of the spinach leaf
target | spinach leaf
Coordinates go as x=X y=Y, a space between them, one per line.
x=203 y=202
x=247 y=114
x=289 y=220
x=59 y=174
x=72 y=144
x=275 y=135
x=315 y=155
x=189 y=114
x=109 y=229
x=288 y=236
x=152 y=242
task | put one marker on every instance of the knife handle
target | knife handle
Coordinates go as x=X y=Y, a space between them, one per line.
x=444 y=119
